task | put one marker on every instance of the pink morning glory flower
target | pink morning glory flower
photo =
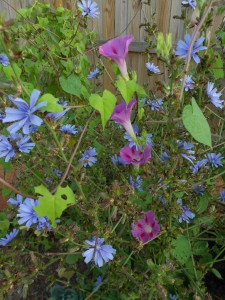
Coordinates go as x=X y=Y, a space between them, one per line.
x=145 y=229
x=134 y=156
x=117 y=50
x=122 y=114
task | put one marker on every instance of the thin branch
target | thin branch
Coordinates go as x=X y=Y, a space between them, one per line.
x=12 y=188
x=193 y=39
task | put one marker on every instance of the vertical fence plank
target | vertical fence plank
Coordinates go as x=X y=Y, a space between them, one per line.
x=121 y=17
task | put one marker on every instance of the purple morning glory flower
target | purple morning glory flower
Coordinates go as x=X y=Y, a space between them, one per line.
x=183 y=47
x=98 y=252
x=24 y=146
x=186 y=214
x=58 y=115
x=69 y=129
x=9 y=237
x=131 y=155
x=222 y=196
x=214 y=159
x=214 y=96
x=155 y=104
x=89 y=8
x=117 y=160
x=152 y=68
x=117 y=50
x=198 y=165
x=4 y=60
x=88 y=157
x=17 y=202
x=23 y=117
x=189 y=83
x=191 y=3
x=136 y=183
x=93 y=74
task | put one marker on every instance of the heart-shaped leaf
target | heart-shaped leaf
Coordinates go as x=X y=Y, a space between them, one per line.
x=71 y=85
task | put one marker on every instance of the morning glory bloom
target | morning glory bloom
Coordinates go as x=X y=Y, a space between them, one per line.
x=122 y=114
x=155 y=104
x=191 y=3
x=4 y=60
x=17 y=202
x=186 y=214
x=136 y=183
x=117 y=160
x=69 y=129
x=145 y=229
x=214 y=96
x=131 y=155
x=183 y=47
x=189 y=83
x=198 y=165
x=9 y=237
x=23 y=117
x=222 y=196
x=98 y=252
x=88 y=157
x=214 y=159
x=89 y=8
x=24 y=146
x=6 y=149
x=58 y=115
x=93 y=74
x=117 y=50
x=152 y=68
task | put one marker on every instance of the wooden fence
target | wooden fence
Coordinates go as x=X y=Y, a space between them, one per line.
x=124 y=17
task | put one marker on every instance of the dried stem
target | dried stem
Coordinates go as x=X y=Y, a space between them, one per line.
x=12 y=188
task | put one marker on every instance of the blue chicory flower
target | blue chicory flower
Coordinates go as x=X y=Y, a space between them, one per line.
x=222 y=195
x=6 y=149
x=152 y=68
x=188 y=154
x=24 y=146
x=26 y=213
x=97 y=283
x=57 y=173
x=161 y=199
x=89 y=8
x=183 y=47
x=98 y=252
x=17 y=202
x=173 y=297
x=93 y=74
x=214 y=159
x=198 y=165
x=198 y=189
x=164 y=157
x=136 y=183
x=155 y=104
x=88 y=157
x=9 y=237
x=189 y=83
x=191 y=3
x=117 y=160
x=23 y=117
x=4 y=60
x=58 y=115
x=214 y=96
x=69 y=129
x=186 y=214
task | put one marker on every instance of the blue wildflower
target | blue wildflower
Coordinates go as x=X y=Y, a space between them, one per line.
x=88 y=157
x=23 y=117
x=4 y=60
x=186 y=214
x=189 y=83
x=48 y=180
x=155 y=104
x=191 y=3
x=198 y=165
x=89 y=8
x=98 y=282
x=58 y=115
x=214 y=96
x=117 y=160
x=164 y=157
x=222 y=196
x=214 y=159
x=98 y=252
x=173 y=297
x=69 y=129
x=93 y=74
x=161 y=199
x=188 y=154
x=43 y=223
x=17 y=202
x=57 y=173
x=152 y=68
x=183 y=47
x=9 y=237
x=198 y=189
x=26 y=213
x=6 y=149
x=136 y=183
x=24 y=146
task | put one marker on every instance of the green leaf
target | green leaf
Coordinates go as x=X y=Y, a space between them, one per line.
x=4 y=223
x=71 y=85
x=9 y=73
x=52 y=206
x=182 y=249
x=196 y=123
x=105 y=105
x=52 y=105
x=218 y=67
x=71 y=259
x=203 y=204
x=216 y=273
x=128 y=88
